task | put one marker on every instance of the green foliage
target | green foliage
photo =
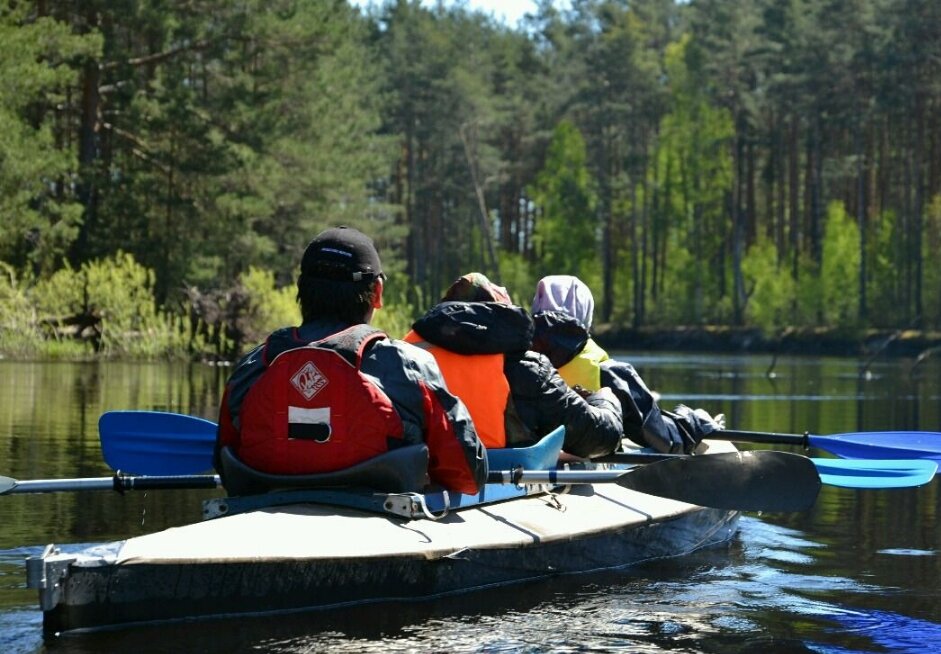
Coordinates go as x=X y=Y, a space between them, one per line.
x=839 y=270
x=673 y=306
x=255 y=127
x=519 y=277
x=397 y=313
x=614 y=140
x=808 y=307
x=883 y=281
x=694 y=171
x=115 y=297
x=19 y=335
x=770 y=288
x=37 y=202
x=566 y=231
x=268 y=307
x=932 y=246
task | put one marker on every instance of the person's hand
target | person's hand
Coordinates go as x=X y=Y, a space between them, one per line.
x=698 y=424
x=581 y=390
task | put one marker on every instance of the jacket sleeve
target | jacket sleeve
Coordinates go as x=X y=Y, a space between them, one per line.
x=411 y=378
x=644 y=422
x=544 y=401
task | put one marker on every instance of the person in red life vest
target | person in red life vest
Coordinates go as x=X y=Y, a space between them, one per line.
x=562 y=313
x=335 y=392
x=482 y=344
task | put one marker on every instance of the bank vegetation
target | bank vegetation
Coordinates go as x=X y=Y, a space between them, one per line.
x=751 y=166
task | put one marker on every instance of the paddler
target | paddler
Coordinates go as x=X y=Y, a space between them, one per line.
x=562 y=311
x=482 y=343
x=334 y=392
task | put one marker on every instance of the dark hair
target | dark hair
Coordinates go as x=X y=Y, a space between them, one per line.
x=327 y=298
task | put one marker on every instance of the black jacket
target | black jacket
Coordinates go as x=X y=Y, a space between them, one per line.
x=561 y=338
x=540 y=399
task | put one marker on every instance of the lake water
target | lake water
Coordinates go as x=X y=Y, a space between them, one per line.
x=861 y=572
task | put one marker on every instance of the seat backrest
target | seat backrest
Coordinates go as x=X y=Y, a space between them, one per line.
x=401 y=470
x=543 y=455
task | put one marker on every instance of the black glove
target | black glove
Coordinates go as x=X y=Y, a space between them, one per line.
x=696 y=424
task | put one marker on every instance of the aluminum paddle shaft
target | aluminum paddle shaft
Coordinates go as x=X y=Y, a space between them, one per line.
x=741 y=481
x=118 y=483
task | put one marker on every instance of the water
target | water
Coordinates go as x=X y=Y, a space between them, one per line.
x=858 y=573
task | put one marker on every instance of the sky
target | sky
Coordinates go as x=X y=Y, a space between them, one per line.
x=510 y=11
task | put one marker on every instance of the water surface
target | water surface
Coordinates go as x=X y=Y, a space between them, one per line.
x=860 y=572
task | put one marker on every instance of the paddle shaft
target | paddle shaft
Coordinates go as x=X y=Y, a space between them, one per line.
x=740 y=481
x=555 y=476
x=802 y=440
x=884 y=445
x=122 y=483
x=118 y=482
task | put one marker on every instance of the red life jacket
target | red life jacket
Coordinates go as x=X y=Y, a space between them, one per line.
x=312 y=410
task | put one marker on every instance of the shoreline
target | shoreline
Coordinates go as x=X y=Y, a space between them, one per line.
x=750 y=340
x=872 y=343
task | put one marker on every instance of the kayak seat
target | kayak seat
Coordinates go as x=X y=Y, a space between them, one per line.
x=402 y=470
x=543 y=455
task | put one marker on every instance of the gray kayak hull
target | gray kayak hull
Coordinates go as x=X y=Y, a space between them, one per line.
x=307 y=557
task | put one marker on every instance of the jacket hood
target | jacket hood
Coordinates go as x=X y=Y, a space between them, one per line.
x=477 y=327
x=559 y=336
x=566 y=294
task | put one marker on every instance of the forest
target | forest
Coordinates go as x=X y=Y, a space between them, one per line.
x=749 y=163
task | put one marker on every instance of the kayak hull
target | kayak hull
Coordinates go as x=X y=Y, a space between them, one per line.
x=188 y=572
x=321 y=549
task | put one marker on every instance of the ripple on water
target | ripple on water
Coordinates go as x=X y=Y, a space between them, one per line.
x=902 y=551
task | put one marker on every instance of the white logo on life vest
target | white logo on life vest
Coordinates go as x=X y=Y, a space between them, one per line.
x=308 y=380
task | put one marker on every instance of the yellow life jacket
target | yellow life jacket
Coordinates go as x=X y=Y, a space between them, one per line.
x=478 y=380
x=585 y=369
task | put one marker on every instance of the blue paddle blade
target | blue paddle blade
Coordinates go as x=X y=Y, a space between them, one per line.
x=156 y=443
x=886 y=473
x=882 y=445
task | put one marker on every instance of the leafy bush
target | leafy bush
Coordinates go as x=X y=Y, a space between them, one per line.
x=770 y=287
x=110 y=302
x=268 y=307
x=839 y=270
x=18 y=320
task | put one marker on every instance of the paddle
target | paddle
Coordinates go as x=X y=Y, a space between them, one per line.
x=741 y=481
x=846 y=473
x=156 y=442
x=854 y=445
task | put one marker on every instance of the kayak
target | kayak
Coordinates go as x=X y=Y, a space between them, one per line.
x=322 y=548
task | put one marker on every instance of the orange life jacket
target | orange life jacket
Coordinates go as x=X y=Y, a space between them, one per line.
x=478 y=380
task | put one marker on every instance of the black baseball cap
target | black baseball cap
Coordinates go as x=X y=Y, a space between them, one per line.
x=341 y=254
